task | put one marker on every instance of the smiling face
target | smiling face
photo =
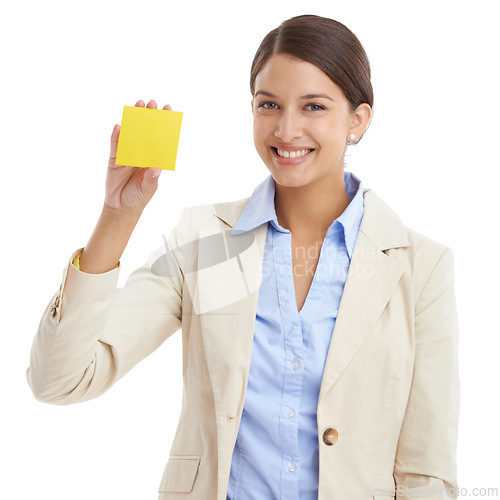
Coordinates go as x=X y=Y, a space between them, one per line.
x=301 y=122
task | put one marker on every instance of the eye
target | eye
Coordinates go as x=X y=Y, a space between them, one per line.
x=267 y=105
x=315 y=107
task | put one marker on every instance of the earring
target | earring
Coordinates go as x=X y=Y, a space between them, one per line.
x=352 y=137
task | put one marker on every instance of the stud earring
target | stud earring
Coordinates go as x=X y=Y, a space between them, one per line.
x=352 y=137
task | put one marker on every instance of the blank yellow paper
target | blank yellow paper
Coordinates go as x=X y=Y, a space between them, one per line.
x=149 y=137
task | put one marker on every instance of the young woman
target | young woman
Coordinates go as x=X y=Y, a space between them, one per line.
x=319 y=332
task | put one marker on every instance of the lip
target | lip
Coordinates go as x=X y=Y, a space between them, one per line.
x=290 y=148
x=290 y=161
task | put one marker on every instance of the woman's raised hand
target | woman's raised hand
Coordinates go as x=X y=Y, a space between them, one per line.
x=129 y=189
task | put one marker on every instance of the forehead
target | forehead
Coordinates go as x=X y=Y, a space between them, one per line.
x=282 y=74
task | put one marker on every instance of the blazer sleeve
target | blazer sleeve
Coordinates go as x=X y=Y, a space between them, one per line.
x=425 y=465
x=92 y=332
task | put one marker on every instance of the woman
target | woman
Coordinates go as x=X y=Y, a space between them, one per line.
x=319 y=333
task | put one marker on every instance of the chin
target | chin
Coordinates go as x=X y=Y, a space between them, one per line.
x=290 y=178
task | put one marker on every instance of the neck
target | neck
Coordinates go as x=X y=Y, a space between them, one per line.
x=308 y=211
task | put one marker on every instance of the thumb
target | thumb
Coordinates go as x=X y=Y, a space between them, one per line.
x=149 y=182
x=153 y=173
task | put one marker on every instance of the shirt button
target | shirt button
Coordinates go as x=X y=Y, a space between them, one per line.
x=295 y=364
x=291 y=466
x=290 y=413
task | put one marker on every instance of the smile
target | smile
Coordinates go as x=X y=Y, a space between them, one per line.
x=292 y=154
x=287 y=157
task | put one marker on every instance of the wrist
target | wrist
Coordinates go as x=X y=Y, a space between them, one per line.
x=119 y=216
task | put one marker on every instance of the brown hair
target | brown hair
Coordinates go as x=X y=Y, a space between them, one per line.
x=327 y=44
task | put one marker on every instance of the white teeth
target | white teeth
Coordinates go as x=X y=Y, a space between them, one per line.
x=293 y=154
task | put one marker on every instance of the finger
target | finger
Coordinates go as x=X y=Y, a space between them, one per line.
x=153 y=173
x=114 y=142
x=168 y=107
x=140 y=103
x=151 y=104
x=149 y=182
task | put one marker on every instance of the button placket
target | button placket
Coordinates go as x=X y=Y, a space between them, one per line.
x=293 y=349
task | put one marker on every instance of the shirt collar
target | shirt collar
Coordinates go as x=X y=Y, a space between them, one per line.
x=260 y=209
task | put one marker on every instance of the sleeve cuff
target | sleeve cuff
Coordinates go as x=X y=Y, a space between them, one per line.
x=76 y=261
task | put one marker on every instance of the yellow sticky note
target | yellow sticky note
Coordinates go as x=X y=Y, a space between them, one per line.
x=149 y=137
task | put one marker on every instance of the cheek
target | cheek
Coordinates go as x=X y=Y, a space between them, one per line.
x=259 y=133
x=328 y=134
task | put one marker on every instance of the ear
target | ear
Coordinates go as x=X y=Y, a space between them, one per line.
x=361 y=118
x=251 y=104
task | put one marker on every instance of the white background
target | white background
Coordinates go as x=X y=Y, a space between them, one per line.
x=431 y=152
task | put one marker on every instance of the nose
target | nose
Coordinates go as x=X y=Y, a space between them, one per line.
x=289 y=126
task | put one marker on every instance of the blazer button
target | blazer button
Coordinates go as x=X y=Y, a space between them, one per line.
x=330 y=436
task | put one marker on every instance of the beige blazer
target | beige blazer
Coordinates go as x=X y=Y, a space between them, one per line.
x=389 y=400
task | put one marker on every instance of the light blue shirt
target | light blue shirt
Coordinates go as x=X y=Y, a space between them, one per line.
x=276 y=455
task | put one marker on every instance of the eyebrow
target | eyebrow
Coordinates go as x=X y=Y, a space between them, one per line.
x=304 y=97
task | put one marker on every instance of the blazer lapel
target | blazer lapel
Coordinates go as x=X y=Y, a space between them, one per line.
x=371 y=280
x=225 y=297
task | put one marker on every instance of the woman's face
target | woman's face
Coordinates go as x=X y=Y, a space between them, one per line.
x=301 y=122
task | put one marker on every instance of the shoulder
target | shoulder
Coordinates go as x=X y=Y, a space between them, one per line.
x=428 y=257
x=209 y=218
x=423 y=247
x=387 y=230
x=420 y=254
x=209 y=215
